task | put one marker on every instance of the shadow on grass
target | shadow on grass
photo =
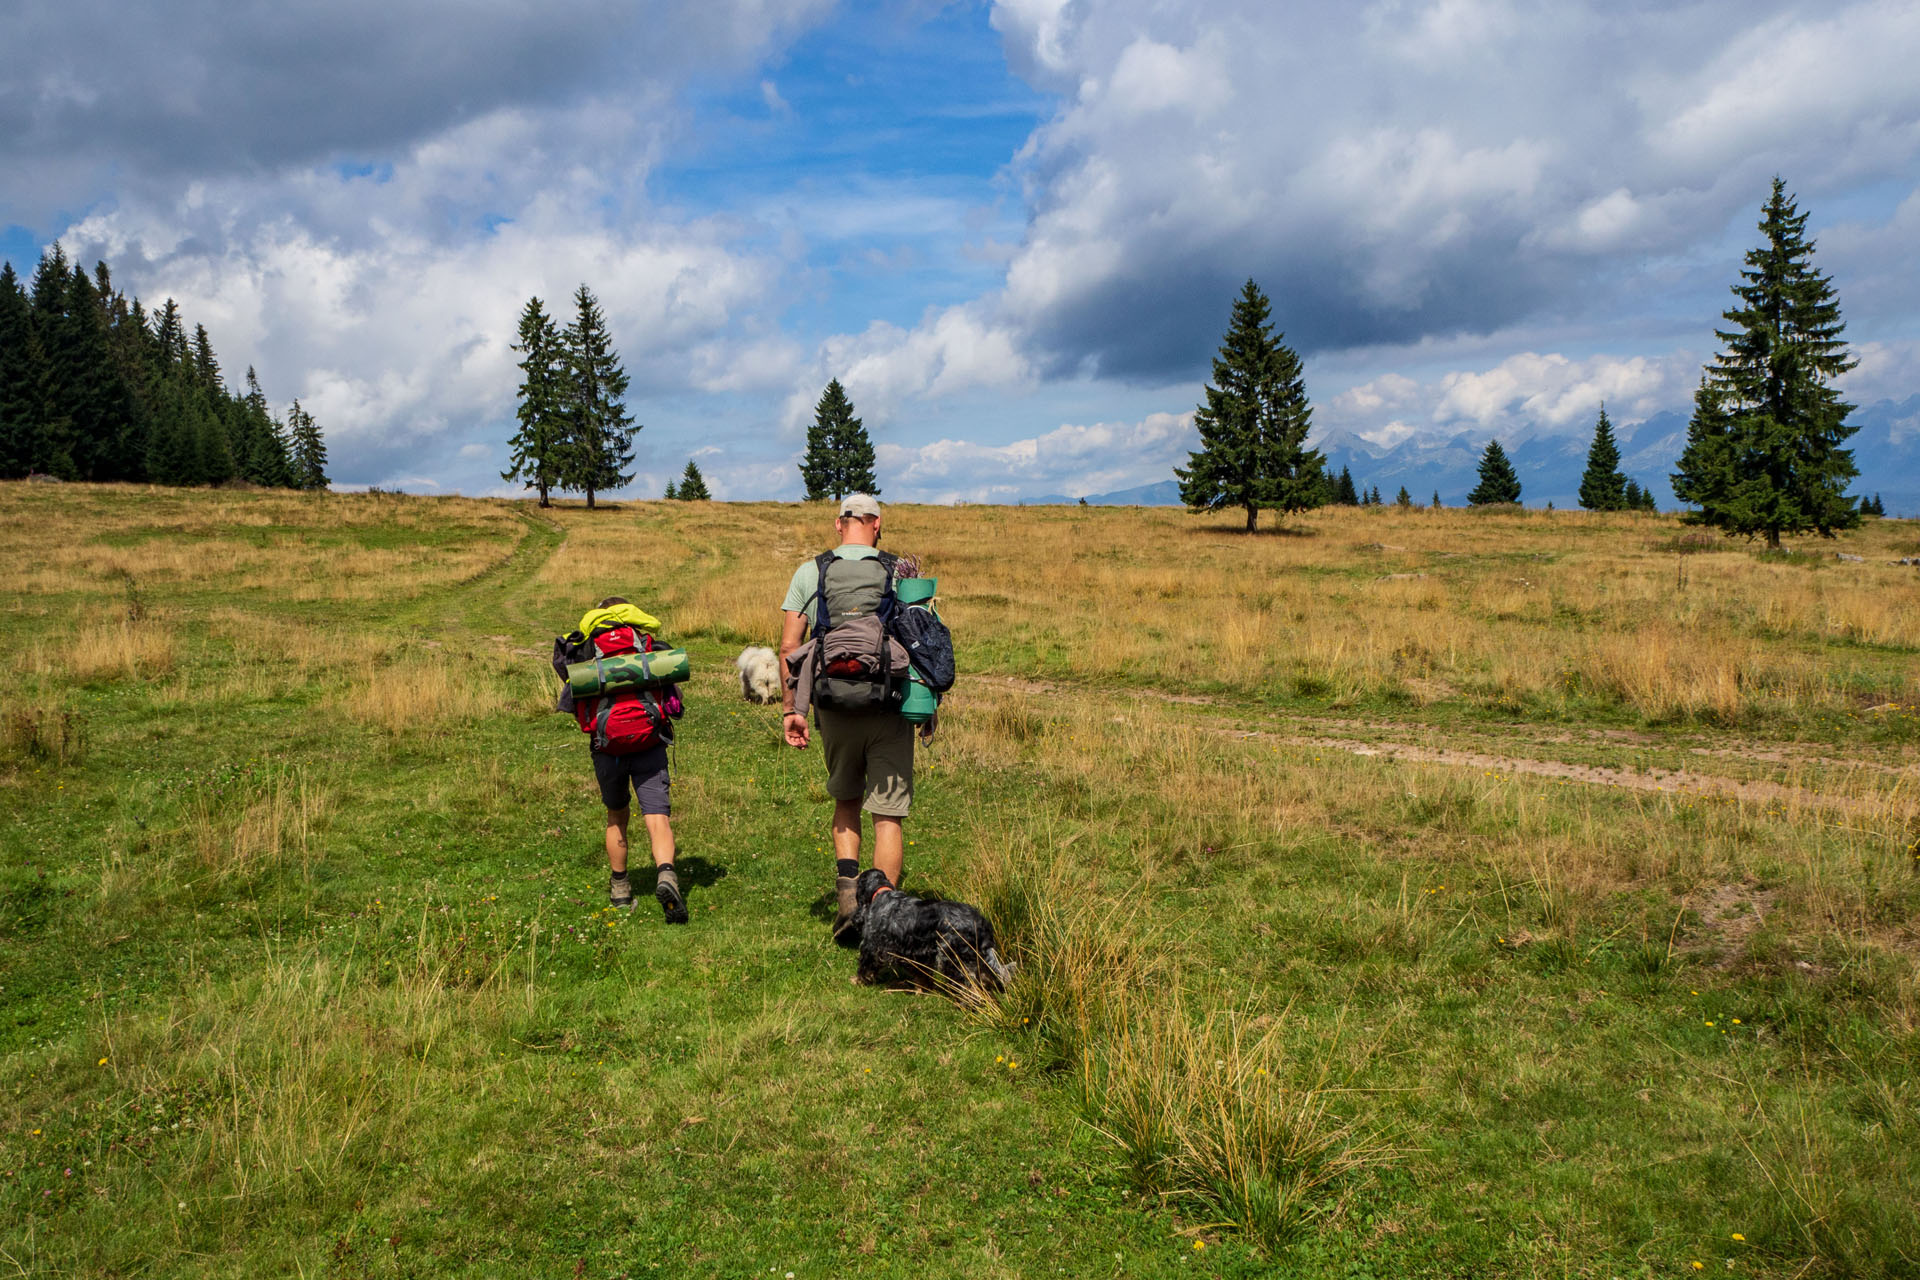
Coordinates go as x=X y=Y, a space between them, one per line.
x=1271 y=531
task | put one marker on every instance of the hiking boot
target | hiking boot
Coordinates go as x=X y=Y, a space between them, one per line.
x=620 y=892
x=667 y=889
x=844 y=931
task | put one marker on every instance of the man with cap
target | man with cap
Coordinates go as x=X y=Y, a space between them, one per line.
x=869 y=753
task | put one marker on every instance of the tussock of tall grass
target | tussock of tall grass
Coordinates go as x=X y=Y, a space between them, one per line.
x=89 y=648
x=52 y=734
x=424 y=691
x=1204 y=1107
x=1214 y=1107
x=269 y=822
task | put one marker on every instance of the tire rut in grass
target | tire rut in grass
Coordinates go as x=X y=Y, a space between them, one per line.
x=1669 y=781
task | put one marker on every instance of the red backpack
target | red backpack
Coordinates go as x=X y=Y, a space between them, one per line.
x=626 y=720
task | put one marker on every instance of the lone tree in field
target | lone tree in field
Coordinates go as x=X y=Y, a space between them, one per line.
x=1603 y=488
x=539 y=446
x=1344 y=494
x=839 y=457
x=1498 y=482
x=309 y=451
x=1764 y=453
x=1403 y=499
x=693 y=485
x=1253 y=427
x=599 y=441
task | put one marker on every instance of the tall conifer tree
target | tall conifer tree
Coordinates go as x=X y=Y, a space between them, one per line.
x=23 y=377
x=1344 y=494
x=1602 y=487
x=1764 y=453
x=599 y=448
x=309 y=450
x=539 y=446
x=1498 y=480
x=693 y=485
x=840 y=456
x=1253 y=426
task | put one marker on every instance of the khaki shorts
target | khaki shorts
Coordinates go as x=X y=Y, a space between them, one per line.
x=869 y=759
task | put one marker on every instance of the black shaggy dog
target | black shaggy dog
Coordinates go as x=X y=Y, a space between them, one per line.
x=923 y=942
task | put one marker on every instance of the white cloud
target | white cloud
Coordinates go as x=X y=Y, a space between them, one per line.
x=952 y=351
x=1071 y=459
x=394 y=333
x=1527 y=392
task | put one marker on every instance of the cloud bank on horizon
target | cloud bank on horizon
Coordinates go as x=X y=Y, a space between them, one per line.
x=1014 y=231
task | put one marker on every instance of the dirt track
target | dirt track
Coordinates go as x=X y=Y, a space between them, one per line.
x=1537 y=752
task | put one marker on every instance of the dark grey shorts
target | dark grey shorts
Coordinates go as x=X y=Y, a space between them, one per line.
x=647 y=770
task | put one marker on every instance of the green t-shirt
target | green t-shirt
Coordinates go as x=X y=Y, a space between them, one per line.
x=806 y=579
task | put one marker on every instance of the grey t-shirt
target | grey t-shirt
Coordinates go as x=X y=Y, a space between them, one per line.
x=806 y=579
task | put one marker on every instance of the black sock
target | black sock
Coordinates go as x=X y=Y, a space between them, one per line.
x=619 y=875
x=662 y=868
x=848 y=867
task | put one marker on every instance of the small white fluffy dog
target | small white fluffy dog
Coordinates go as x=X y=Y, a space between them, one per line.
x=759 y=675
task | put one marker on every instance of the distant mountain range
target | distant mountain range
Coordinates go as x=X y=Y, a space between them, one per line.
x=1886 y=449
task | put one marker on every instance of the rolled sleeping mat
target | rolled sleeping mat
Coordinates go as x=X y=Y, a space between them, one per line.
x=627 y=671
x=915 y=590
x=920 y=706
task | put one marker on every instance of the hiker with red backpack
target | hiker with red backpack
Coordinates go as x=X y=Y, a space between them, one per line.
x=855 y=676
x=621 y=688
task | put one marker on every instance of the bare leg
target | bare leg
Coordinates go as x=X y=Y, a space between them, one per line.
x=890 y=847
x=660 y=836
x=846 y=829
x=617 y=839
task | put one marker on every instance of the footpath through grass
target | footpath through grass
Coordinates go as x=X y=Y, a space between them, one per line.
x=307 y=968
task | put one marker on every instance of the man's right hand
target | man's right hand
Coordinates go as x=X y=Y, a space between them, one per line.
x=794 y=725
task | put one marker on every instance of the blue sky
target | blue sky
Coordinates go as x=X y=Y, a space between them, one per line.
x=1012 y=229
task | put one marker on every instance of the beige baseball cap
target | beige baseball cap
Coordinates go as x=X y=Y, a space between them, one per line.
x=860 y=505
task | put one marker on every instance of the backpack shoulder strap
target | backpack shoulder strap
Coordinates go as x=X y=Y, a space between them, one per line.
x=885 y=608
x=819 y=601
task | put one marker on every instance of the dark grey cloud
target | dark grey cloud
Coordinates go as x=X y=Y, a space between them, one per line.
x=1424 y=169
x=95 y=93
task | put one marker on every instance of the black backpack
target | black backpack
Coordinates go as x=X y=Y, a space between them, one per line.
x=929 y=644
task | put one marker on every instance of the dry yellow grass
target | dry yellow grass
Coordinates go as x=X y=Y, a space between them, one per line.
x=262 y=824
x=111 y=541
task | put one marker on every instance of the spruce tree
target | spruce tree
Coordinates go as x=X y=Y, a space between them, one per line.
x=1764 y=453
x=672 y=494
x=693 y=485
x=1629 y=496
x=538 y=448
x=267 y=462
x=1344 y=494
x=23 y=377
x=1403 y=499
x=820 y=469
x=599 y=443
x=1436 y=499
x=840 y=457
x=1603 y=488
x=1498 y=482
x=309 y=450
x=1253 y=426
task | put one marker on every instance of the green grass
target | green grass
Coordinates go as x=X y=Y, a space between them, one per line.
x=390 y=1028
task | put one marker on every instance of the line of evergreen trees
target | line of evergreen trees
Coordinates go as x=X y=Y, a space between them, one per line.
x=93 y=387
x=575 y=433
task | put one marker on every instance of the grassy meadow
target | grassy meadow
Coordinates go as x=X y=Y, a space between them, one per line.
x=1397 y=894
